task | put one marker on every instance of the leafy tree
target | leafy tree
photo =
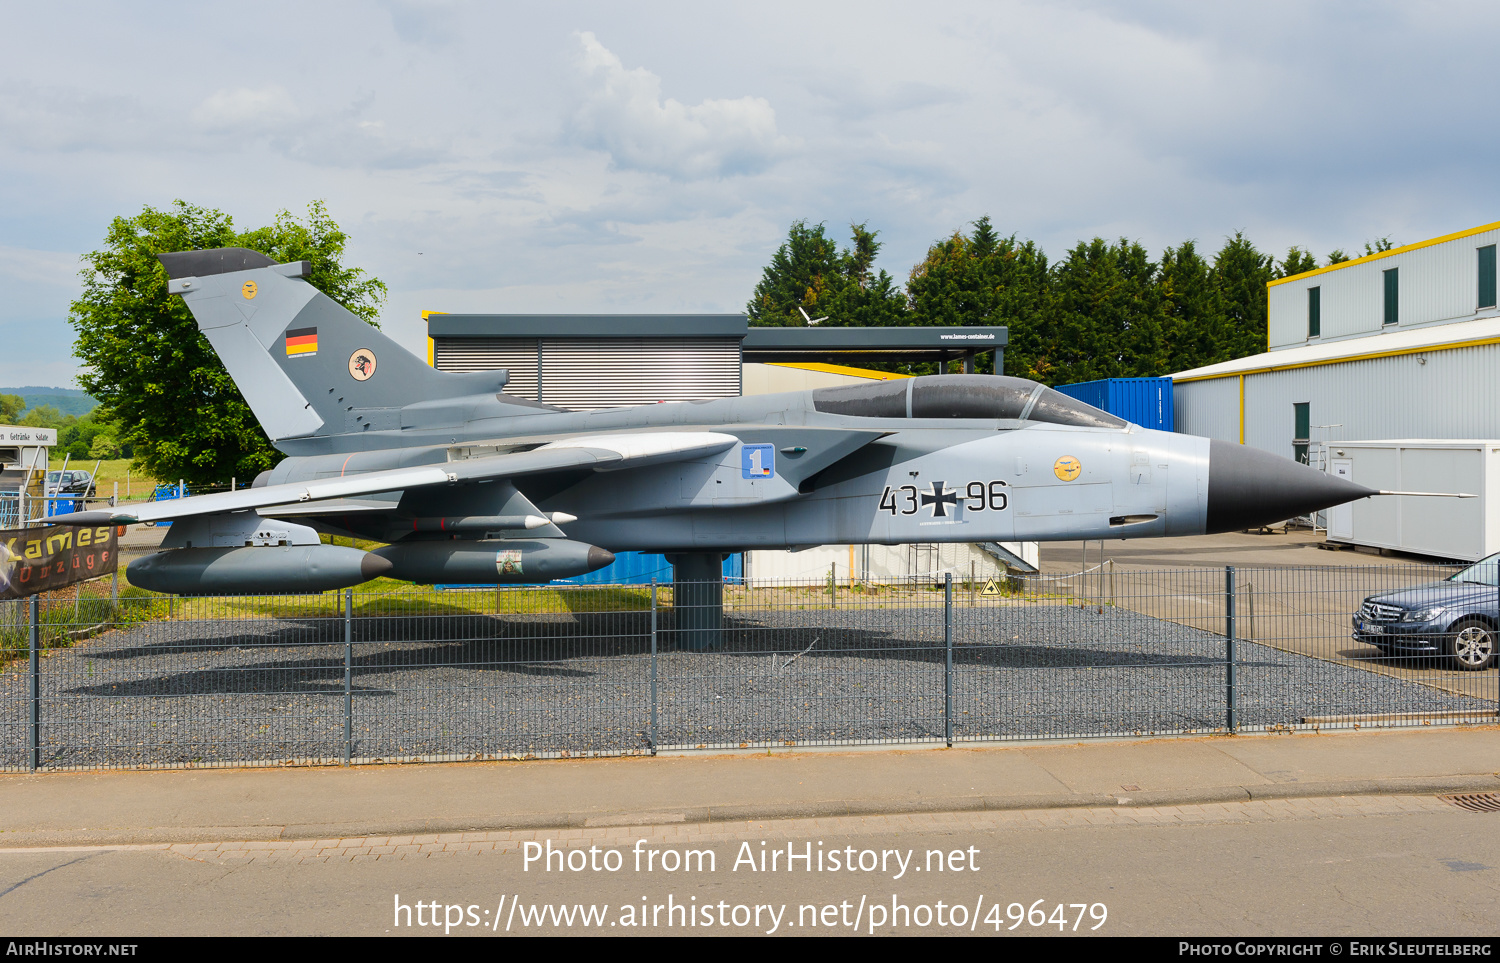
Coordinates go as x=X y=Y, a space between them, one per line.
x=153 y=372
x=809 y=272
x=1241 y=273
x=11 y=407
x=79 y=436
x=1106 y=319
x=1337 y=256
x=1378 y=245
x=1191 y=308
x=105 y=447
x=1297 y=261
x=46 y=416
x=983 y=279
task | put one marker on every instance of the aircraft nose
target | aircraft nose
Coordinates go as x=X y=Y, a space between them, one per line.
x=1248 y=488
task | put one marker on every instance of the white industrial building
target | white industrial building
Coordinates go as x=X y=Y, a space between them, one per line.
x=1399 y=346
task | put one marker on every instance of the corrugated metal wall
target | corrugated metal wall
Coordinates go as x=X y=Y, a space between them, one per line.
x=586 y=374
x=1208 y=408
x=1437 y=283
x=583 y=374
x=519 y=356
x=1454 y=394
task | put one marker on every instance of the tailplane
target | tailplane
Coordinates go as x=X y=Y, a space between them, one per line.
x=309 y=367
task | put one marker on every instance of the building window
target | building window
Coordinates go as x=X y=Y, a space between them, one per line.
x=1487 y=277
x=1315 y=309
x=1301 y=430
x=1392 y=290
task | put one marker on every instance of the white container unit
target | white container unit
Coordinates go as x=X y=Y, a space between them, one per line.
x=1456 y=528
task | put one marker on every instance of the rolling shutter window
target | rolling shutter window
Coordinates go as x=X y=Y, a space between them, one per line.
x=1314 y=312
x=584 y=374
x=1487 y=277
x=517 y=355
x=1392 y=293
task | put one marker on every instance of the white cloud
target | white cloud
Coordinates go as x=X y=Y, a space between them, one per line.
x=47 y=268
x=624 y=114
x=244 y=108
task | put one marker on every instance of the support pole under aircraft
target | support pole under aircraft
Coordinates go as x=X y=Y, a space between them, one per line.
x=698 y=599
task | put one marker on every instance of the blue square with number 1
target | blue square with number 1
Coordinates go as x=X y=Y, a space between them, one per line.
x=758 y=461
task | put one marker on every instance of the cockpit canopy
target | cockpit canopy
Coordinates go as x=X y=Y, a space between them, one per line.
x=962 y=396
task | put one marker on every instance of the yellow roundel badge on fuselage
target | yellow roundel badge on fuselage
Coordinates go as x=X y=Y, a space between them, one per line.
x=1067 y=468
x=248 y=290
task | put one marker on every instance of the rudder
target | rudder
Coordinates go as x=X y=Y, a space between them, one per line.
x=306 y=365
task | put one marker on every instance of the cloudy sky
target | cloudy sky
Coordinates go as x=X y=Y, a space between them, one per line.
x=626 y=157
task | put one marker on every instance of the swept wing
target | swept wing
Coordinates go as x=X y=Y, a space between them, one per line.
x=596 y=452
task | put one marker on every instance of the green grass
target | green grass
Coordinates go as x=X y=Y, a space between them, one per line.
x=61 y=613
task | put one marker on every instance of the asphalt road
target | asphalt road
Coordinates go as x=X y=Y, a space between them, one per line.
x=1348 y=866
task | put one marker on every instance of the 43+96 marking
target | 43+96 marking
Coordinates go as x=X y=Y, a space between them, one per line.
x=978 y=496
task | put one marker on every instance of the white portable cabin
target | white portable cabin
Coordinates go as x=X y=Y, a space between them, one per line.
x=22 y=447
x=1456 y=528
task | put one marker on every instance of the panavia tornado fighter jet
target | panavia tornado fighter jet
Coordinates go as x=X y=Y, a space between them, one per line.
x=466 y=484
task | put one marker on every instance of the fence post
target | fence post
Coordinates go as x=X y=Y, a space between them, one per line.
x=948 y=658
x=348 y=675
x=651 y=733
x=833 y=586
x=34 y=684
x=1230 y=696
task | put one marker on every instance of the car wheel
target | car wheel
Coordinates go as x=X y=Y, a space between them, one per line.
x=1471 y=645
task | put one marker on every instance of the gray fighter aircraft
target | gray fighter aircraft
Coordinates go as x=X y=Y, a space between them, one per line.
x=469 y=485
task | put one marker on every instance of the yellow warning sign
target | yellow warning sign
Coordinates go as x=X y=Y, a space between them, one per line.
x=990 y=589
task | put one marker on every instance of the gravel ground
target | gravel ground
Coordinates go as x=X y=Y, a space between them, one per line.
x=272 y=690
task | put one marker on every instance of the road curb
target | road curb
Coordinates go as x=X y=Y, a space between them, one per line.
x=524 y=822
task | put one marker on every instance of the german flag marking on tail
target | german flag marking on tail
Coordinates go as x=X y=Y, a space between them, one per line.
x=301 y=341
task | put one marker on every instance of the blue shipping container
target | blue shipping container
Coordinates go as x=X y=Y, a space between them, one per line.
x=1145 y=401
x=638 y=568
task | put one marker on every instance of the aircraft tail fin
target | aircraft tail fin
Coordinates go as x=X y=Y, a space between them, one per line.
x=306 y=365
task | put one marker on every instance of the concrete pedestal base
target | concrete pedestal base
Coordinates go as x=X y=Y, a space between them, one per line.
x=698 y=600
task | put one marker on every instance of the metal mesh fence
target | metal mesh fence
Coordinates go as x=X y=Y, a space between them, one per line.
x=87 y=681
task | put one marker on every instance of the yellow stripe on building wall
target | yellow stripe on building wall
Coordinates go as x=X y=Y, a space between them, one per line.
x=431 y=352
x=839 y=369
x=1242 y=409
x=1391 y=253
x=1428 y=349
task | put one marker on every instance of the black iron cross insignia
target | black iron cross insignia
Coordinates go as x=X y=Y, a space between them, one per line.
x=938 y=498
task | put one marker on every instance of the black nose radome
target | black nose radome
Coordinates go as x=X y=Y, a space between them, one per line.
x=599 y=557
x=1248 y=488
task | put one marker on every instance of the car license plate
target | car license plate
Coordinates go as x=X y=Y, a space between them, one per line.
x=1373 y=629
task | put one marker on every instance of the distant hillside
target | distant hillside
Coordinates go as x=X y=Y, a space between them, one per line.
x=69 y=401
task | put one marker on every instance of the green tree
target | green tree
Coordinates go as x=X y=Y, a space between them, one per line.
x=47 y=416
x=1337 y=256
x=154 y=373
x=1191 y=308
x=1108 y=318
x=1378 y=245
x=1241 y=273
x=11 y=407
x=104 y=447
x=810 y=273
x=1297 y=261
x=984 y=279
